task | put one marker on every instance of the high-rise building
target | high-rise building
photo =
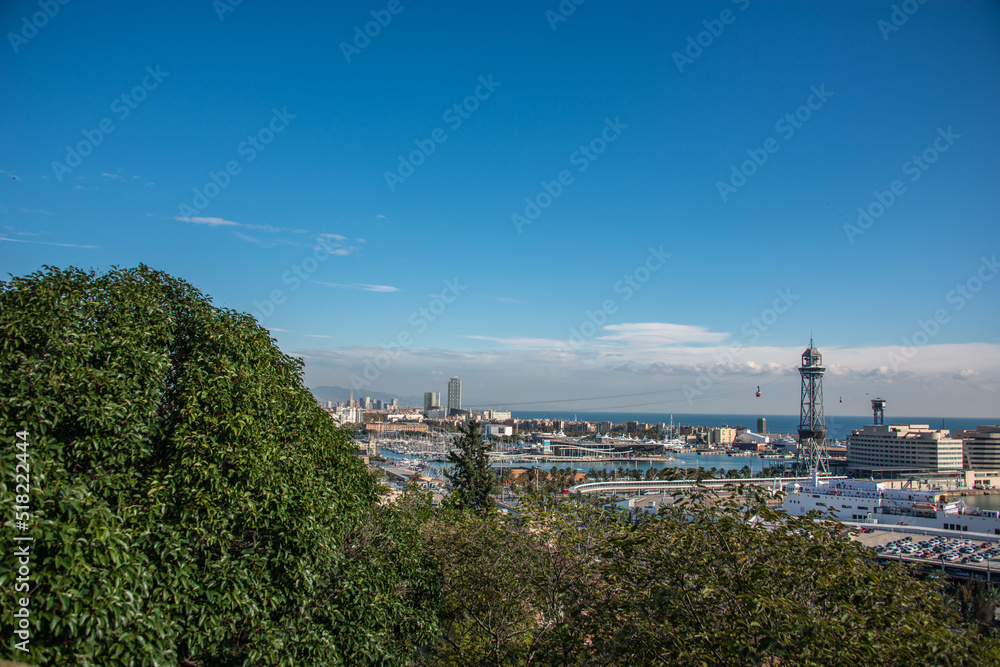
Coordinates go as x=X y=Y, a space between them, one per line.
x=901 y=449
x=454 y=394
x=432 y=401
x=761 y=425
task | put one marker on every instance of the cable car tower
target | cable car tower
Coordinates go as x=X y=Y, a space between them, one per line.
x=812 y=426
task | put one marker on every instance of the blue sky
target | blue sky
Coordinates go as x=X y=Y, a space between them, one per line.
x=644 y=273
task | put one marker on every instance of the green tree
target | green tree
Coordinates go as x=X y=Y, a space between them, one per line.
x=705 y=583
x=190 y=502
x=471 y=476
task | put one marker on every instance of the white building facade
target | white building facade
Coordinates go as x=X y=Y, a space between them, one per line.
x=902 y=448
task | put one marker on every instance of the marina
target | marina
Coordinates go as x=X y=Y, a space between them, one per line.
x=433 y=460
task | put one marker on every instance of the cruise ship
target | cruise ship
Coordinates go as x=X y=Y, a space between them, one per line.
x=873 y=502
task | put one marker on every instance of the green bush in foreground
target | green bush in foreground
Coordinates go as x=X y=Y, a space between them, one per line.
x=190 y=503
x=709 y=581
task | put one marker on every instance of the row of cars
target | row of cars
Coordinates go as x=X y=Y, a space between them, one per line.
x=949 y=549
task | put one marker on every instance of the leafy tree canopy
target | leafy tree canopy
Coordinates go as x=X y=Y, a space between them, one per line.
x=190 y=502
x=708 y=581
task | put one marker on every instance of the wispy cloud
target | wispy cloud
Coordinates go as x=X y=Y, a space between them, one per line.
x=63 y=245
x=246 y=237
x=365 y=287
x=212 y=222
x=507 y=299
x=117 y=177
x=317 y=336
x=620 y=339
x=35 y=210
x=523 y=342
x=331 y=243
x=655 y=334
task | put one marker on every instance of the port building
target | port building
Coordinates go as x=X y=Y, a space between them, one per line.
x=893 y=450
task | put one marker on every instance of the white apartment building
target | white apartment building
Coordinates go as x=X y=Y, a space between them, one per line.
x=347 y=415
x=901 y=448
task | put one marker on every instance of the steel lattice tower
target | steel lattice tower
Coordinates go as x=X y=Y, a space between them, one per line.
x=812 y=426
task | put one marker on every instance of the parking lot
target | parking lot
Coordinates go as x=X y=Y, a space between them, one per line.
x=932 y=548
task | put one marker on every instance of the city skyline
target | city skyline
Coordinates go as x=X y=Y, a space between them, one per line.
x=648 y=210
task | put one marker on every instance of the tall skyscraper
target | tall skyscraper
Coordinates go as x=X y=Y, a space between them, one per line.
x=432 y=400
x=761 y=425
x=454 y=394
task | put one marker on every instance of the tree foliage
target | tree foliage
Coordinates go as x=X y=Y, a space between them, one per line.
x=471 y=476
x=709 y=581
x=190 y=502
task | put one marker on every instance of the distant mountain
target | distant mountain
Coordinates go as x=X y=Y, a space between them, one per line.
x=342 y=394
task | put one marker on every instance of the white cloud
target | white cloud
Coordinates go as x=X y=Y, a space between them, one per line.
x=359 y=286
x=63 y=245
x=523 y=343
x=246 y=237
x=519 y=369
x=655 y=334
x=211 y=222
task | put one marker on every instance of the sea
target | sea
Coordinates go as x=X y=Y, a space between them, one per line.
x=838 y=426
